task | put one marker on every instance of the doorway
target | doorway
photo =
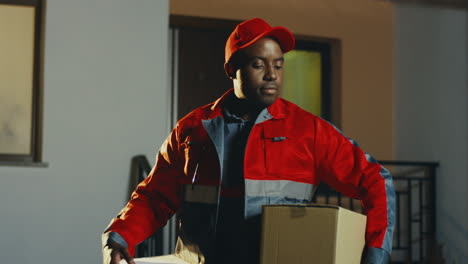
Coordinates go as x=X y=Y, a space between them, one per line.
x=197 y=75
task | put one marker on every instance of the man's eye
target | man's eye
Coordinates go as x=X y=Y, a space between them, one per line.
x=279 y=67
x=257 y=66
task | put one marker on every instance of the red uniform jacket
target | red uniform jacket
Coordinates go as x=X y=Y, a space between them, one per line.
x=288 y=153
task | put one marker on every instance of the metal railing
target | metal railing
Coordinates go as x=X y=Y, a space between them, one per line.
x=414 y=235
x=415 y=183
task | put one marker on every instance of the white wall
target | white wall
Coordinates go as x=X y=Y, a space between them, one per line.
x=431 y=110
x=105 y=101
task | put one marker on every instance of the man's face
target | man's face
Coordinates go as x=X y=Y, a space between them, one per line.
x=260 y=77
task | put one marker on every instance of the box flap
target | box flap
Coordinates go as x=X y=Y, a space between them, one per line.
x=304 y=205
x=167 y=259
x=350 y=237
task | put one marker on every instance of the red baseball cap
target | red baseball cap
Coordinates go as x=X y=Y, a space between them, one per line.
x=252 y=30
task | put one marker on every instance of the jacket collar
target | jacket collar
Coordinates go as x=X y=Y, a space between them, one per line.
x=277 y=110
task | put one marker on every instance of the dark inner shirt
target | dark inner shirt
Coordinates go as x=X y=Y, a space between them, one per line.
x=238 y=239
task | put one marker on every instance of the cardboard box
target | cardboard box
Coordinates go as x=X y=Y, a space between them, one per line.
x=298 y=234
x=167 y=259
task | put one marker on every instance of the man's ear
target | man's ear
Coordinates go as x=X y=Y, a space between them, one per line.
x=230 y=70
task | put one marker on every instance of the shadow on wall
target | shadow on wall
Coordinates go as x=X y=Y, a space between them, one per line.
x=436 y=3
x=457 y=229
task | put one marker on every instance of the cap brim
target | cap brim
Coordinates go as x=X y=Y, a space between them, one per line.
x=283 y=35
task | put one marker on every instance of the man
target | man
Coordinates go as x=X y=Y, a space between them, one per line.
x=225 y=160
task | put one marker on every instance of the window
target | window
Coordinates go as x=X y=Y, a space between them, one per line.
x=20 y=77
x=307 y=77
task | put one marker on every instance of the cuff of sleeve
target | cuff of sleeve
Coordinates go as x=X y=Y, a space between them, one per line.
x=377 y=256
x=113 y=237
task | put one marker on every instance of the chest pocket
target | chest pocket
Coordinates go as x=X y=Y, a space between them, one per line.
x=193 y=154
x=284 y=152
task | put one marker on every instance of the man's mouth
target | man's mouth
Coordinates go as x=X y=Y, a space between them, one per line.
x=269 y=90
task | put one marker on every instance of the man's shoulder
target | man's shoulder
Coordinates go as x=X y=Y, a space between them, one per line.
x=301 y=118
x=296 y=115
x=294 y=111
x=195 y=116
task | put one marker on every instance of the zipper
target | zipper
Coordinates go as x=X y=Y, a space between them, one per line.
x=195 y=173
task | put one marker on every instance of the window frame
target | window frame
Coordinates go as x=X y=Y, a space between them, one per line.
x=34 y=157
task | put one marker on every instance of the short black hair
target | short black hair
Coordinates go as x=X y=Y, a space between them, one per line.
x=238 y=60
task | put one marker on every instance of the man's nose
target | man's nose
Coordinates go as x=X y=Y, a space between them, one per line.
x=270 y=74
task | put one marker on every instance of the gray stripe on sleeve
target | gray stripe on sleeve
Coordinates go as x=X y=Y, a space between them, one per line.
x=280 y=188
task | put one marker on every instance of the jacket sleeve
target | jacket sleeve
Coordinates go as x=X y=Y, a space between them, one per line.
x=346 y=168
x=155 y=199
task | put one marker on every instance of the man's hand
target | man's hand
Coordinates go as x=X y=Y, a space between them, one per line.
x=113 y=253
